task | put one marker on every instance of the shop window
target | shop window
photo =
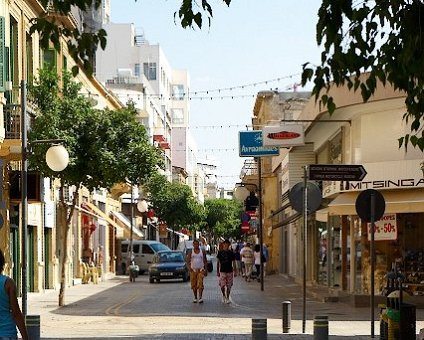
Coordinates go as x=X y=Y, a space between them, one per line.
x=33 y=186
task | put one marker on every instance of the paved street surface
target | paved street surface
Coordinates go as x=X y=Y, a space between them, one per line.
x=118 y=309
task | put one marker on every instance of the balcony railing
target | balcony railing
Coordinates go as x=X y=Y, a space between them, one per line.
x=12 y=121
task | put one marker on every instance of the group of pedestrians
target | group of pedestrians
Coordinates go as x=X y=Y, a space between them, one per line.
x=231 y=262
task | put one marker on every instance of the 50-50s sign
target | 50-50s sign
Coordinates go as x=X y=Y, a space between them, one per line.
x=385 y=228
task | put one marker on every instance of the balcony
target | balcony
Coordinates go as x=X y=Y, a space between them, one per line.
x=12 y=121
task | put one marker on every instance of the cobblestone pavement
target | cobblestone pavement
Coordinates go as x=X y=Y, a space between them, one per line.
x=118 y=309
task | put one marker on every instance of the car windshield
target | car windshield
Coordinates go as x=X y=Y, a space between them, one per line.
x=170 y=257
x=159 y=247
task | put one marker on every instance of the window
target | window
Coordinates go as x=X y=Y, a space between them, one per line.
x=177 y=116
x=29 y=60
x=149 y=70
x=137 y=70
x=136 y=248
x=178 y=92
x=49 y=58
x=147 y=250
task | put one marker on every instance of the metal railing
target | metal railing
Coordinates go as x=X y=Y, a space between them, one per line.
x=12 y=121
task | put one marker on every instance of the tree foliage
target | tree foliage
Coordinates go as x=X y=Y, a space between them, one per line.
x=83 y=43
x=105 y=147
x=223 y=217
x=379 y=37
x=174 y=203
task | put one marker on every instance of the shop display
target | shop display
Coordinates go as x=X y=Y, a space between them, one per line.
x=413 y=265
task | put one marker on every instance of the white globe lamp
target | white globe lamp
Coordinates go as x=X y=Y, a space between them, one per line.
x=57 y=157
x=241 y=193
x=142 y=206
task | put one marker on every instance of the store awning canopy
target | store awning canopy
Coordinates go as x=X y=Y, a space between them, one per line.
x=126 y=224
x=397 y=201
x=322 y=215
x=92 y=210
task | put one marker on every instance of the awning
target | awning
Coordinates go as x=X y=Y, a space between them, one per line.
x=126 y=224
x=322 y=215
x=288 y=220
x=397 y=201
x=92 y=210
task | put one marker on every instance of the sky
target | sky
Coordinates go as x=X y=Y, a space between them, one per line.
x=248 y=46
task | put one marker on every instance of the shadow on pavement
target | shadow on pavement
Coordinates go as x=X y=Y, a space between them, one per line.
x=212 y=336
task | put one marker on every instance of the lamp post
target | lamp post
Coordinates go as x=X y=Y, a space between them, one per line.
x=57 y=159
x=241 y=194
x=141 y=207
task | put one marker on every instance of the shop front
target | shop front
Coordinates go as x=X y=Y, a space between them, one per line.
x=399 y=242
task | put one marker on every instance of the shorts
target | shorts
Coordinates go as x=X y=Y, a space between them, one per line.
x=226 y=279
x=196 y=279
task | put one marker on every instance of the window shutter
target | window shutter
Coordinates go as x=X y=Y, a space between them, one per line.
x=2 y=54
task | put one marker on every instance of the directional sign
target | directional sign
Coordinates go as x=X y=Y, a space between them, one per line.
x=336 y=172
x=251 y=145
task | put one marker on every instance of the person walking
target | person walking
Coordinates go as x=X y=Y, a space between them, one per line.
x=257 y=257
x=198 y=265
x=238 y=270
x=226 y=270
x=247 y=258
x=10 y=313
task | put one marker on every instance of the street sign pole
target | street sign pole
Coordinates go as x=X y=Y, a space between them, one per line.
x=372 y=251
x=305 y=234
x=260 y=226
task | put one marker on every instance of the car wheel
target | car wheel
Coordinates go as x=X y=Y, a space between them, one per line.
x=157 y=280
x=151 y=280
x=210 y=267
x=185 y=277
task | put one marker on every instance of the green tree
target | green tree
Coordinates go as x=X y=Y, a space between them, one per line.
x=105 y=147
x=380 y=38
x=82 y=45
x=223 y=217
x=174 y=203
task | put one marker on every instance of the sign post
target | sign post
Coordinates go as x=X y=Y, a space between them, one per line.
x=305 y=197
x=370 y=206
x=336 y=172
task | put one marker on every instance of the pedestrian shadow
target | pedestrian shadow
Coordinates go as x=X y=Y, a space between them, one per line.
x=215 y=336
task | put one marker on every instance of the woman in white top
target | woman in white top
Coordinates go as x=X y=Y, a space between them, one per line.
x=197 y=263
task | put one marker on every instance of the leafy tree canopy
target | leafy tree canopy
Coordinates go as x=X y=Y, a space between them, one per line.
x=105 y=147
x=82 y=44
x=382 y=38
x=223 y=217
x=174 y=203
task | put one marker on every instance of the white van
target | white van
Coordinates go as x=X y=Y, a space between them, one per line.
x=143 y=250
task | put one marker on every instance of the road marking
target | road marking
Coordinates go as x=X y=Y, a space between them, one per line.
x=114 y=309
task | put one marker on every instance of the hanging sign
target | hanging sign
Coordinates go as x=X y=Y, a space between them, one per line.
x=286 y=135
x=385 y=228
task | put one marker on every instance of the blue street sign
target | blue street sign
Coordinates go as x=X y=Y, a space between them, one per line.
x=251 y=145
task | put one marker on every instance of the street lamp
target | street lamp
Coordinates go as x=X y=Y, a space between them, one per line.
x=241 y=193
x=57 y=159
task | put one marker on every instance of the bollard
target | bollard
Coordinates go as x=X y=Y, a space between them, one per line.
x=321 y=327
x=286 y=317
x=33 y=326
x=259 y=329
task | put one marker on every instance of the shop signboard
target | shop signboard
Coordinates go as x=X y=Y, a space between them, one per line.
x=385 y=228
x=251 y=145
x=285 y=135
